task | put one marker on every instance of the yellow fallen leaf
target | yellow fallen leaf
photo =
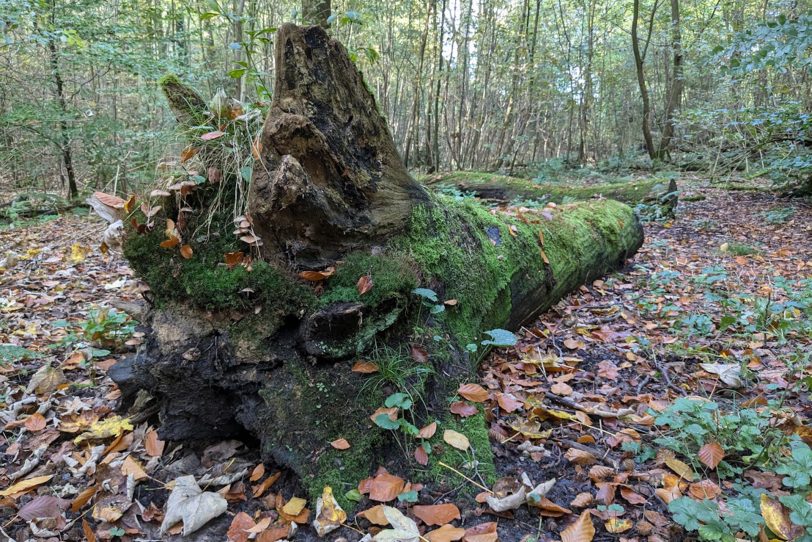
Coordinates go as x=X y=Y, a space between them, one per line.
x=776 y=517
x=681 y=468
x=617 y=525
x=112 y=426
x=456 y=440
x=25 y=485
x=294 y=506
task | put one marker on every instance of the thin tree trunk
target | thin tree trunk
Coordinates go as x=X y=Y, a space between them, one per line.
x=677 y=83
x=639 y=58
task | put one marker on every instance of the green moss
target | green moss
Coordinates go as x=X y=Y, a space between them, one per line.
x=206 y=281
x=475 y=463
x=524 y=189
x=393 y=275
x=466 y=253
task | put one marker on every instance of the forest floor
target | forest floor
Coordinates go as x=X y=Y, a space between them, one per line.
x=713 y=313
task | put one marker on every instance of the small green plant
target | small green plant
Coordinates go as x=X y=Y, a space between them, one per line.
x=778 y=216
x=741 y=249
x=106 y=327
x=746 y=435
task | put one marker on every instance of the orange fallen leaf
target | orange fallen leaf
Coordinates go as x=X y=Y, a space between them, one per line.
x=428 y=431
x=484 y=532
x=375 y=515
x=385 y=487
x=473 y=392
x=582 y=530
x=237 y=532
x=186 y=251
x=260 y=489
x=257 y=473
x=340 y=444
x=446 y=533
x=436 y=514
x=153 y=445
x=365 y=367
x=711 y=454
x=421 y=456
x=364 y=284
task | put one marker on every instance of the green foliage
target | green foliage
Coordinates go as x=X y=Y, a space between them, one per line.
x=106 y=327
x=11 y=353
x=747 y=435
x=751 y=439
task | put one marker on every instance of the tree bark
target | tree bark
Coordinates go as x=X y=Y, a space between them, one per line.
x=275 y=358
x=639 y=59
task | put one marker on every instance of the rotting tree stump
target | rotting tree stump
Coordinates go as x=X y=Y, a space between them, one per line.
x=232 y=349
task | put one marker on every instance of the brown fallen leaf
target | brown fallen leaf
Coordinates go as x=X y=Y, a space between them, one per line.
x=365 y=367
x=456 y=440
x=421 y=456
x=340 y=444
x=25 y=485
x=446 y=533
x=375 y=515
x=385 y=487
x=83 y=498
x=484 y=532
x=508 y=402
x=428 y=431
x=35 y=422
x=153 y=445
x=186 y=251
x=257 y=473
x=436 y=514
x=705 y=489
x=260 y=489
x=473 y=392
x=581 y=530
x=364 y=284
x=711 y=454
x=681 y=468
x=463 y=409
x=237 y=532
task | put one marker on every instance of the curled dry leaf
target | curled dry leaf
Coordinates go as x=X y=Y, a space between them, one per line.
x=473 y=392
x=153 y=445
x=364 y=284
x=212 y=135
x=186 y=252
x=317 y=276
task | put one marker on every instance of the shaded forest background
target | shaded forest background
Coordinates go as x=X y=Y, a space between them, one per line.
x=523 y=87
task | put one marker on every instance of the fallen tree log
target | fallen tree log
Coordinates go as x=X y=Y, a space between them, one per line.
x=343 y=257
x=656 y=192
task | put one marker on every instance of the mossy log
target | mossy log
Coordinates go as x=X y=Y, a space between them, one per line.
x=235 y=349
x=508 y=189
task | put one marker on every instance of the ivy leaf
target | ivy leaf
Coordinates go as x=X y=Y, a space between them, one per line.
x=693 y=514
x=385 y=422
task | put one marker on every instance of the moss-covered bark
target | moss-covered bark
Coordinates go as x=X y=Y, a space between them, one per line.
x=502 y=188
x=261 y=367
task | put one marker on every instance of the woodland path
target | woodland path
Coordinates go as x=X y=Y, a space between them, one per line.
x=627 y=343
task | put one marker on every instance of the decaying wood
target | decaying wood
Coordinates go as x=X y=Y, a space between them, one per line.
x=331 y=178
